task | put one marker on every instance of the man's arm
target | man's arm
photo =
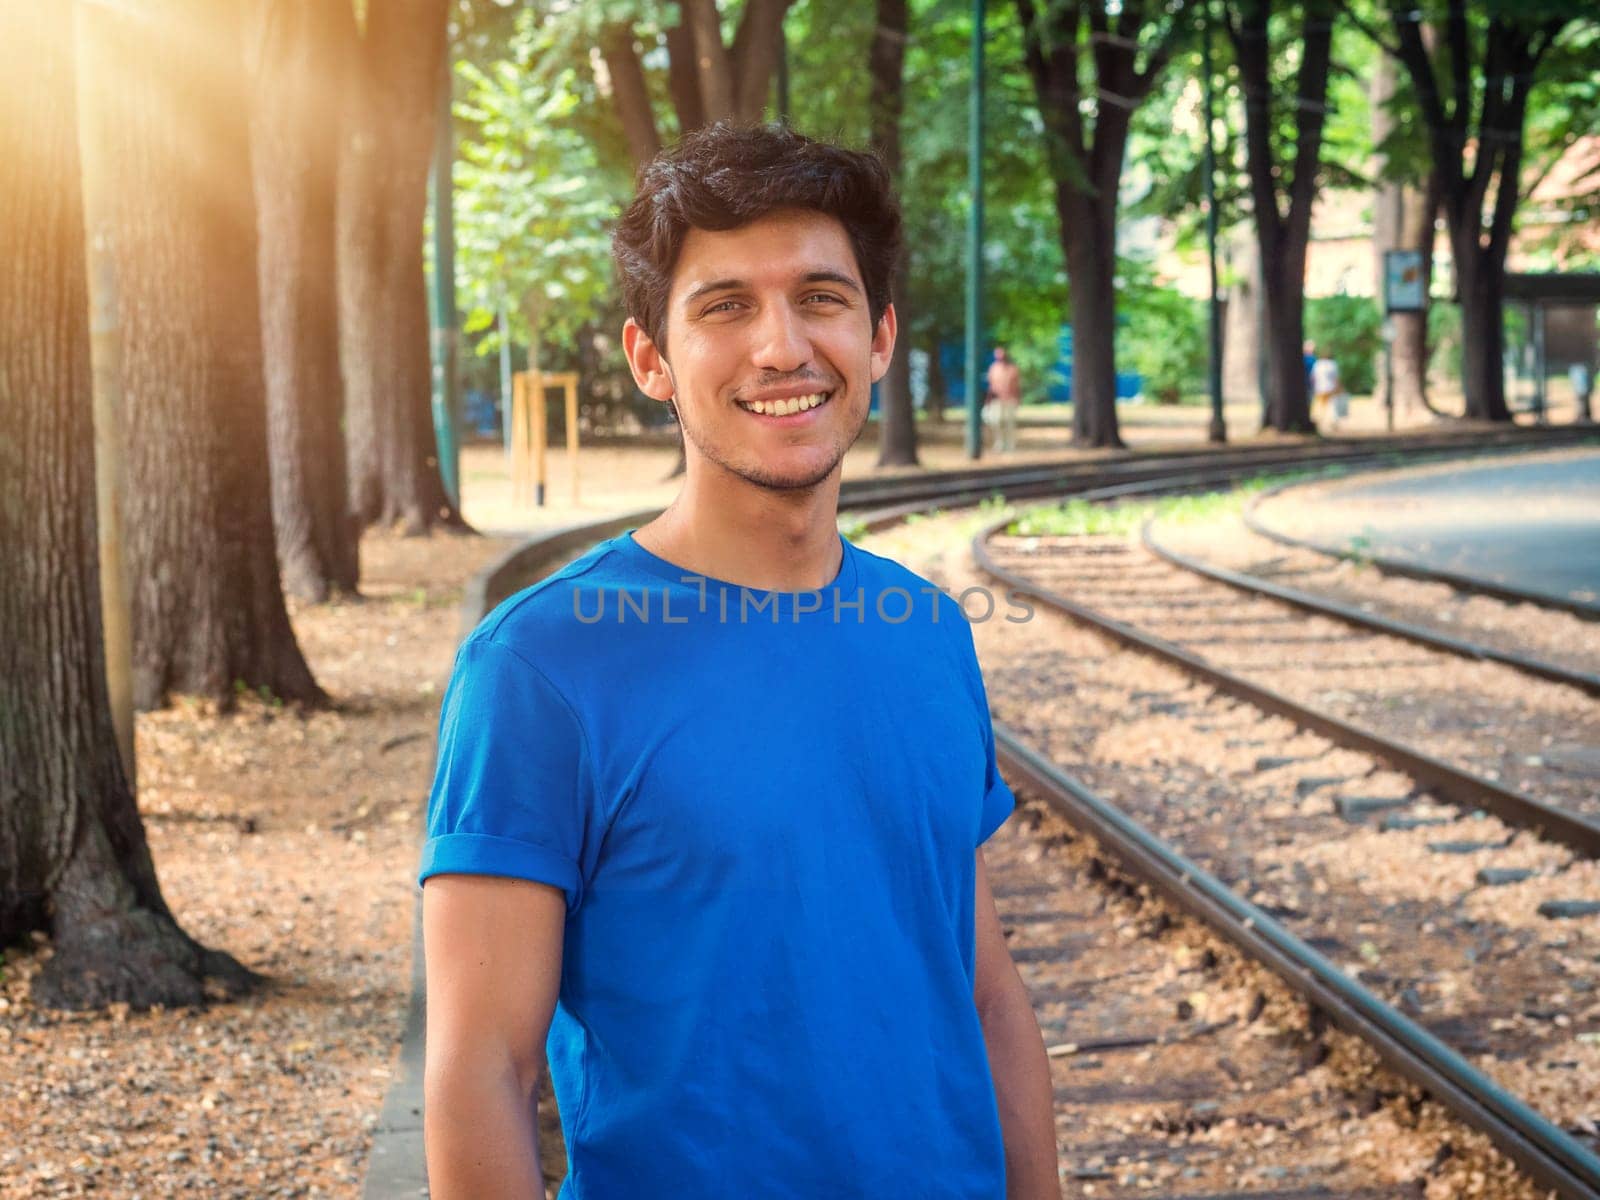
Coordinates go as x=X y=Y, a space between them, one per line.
x=1017 y=1059
x=493 y=952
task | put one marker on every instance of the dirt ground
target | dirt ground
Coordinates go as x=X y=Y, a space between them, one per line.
x=290 y=840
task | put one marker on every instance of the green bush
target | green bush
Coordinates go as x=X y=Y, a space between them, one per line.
x=1162 y=336
x=1348 y=329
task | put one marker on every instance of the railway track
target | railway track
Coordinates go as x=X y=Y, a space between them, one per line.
x=1235 y=1078
x=1355 y=687
x=1365 y=614
x=1296 y=824
x=1553 y=1157
x=1407 y=569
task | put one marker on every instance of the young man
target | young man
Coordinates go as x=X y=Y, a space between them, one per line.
x=709 y=799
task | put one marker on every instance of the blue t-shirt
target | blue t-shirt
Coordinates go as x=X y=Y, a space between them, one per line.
x=764 y=809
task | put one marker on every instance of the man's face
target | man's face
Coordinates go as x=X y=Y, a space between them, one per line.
x=773 y=312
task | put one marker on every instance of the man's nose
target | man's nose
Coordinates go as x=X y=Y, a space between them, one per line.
x=781 y=342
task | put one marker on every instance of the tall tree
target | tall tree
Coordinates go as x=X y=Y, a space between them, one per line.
x=1283 y=233
x=1473 y=94
x=394 y=474
x=1087 y=120
x=300 y=54
x=1404 y=209
x=73 y=856
x=885 y=103
x=167 y=184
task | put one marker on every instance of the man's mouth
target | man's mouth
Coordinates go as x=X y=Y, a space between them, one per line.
x=788 y=407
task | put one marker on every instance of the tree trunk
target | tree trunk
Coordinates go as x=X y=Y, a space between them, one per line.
x=300 y=52
x=1087 y=172
x=937 y=385
x=1242 y=334
x=630 y=93
x=73 y=856
x=683 y=77
x=1513 y=43
x=394 y=476
x=1091 y=262
x=167 y=179
x=1402 y=219
x=1411 y=348
x=755 y=54
x=1482 y=332
x=715 y=67
x=897 y=445
x=1283 y=235
x=1283 y=286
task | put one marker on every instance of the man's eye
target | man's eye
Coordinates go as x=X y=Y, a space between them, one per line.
x=715 y=307
x=825 y=296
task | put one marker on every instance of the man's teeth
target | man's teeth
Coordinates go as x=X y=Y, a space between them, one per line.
x=782 y=408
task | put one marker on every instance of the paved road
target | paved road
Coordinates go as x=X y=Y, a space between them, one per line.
x=1528 y=520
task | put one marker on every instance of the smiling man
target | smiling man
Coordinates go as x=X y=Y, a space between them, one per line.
x=709 y=804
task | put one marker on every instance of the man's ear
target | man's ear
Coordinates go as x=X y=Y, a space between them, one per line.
x=883 y=343
x=645 y=361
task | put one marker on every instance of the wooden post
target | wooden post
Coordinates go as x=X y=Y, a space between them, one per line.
x=570 y=387
x=519 y=437
x=537 y=382
x=528 y=437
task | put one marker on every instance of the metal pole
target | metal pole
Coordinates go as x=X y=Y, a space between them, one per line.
x=505 y=374
x=1389 y=334
x=1539 y=365
x=446 y=398
x=1219 y=428
x=974 y=372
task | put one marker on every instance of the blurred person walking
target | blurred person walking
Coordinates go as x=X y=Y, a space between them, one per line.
x=1005 y=386
x=1327 y=393
x=1582 y=380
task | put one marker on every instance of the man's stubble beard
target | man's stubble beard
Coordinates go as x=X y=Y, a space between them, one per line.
x=756 y=475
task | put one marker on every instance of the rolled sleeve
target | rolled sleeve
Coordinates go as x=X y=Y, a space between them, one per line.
x=512 y=789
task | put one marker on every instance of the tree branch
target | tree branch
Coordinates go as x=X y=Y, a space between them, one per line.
x=1374 y=34
x=755 y=54
x=712 y=63
x=1456 y=38
x=1507 y=193
x=1311 y=94
x=630 y=94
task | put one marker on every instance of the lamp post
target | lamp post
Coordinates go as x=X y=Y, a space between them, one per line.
x=446 y=398
x=1219 y=428
x=974 y=372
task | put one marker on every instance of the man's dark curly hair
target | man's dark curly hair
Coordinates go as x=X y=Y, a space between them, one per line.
x=727 y=175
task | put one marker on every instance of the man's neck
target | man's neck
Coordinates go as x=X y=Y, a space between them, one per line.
x=724 y=527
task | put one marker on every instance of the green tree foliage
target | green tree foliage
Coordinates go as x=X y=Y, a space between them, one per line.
x=1161 y=335
x=534 y=198
x=1348 y=329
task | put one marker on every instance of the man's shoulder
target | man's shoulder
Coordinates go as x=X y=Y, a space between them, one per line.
x=879 y=573
x=542 y=615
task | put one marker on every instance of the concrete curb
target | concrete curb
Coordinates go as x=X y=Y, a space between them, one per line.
x=397 y=1166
